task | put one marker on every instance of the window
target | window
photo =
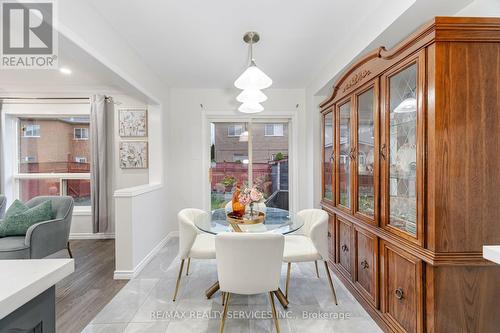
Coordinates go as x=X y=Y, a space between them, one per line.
x=31 y=131
x=259 y=159
x=243 y=158
x=234 y=130
x=80 y=159
x=81 y=134
x=60 y=165
x=273 y=130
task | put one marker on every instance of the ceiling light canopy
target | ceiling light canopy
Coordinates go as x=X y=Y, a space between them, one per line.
x=65 y=70
x=252 y=80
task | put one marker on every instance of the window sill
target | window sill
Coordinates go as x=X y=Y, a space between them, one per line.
x=82 y=211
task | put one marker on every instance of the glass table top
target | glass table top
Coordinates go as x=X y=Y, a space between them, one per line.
x=276 y=221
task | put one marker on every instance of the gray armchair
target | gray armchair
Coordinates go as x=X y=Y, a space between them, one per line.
x=44 y=238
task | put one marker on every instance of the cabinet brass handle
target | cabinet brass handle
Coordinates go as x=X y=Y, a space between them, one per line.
x=399 y=293
x=382 y=151
x=345 y=248
x=364 y=264
x=332 y=157
x=329 y=234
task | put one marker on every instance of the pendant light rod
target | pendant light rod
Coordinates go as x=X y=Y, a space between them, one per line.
x=251 y=38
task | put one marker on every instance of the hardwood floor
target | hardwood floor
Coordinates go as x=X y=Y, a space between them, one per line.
x=83 y=294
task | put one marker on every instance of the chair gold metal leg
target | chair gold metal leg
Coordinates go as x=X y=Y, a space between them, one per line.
x=178 y=279
x=224 y=314
x=331 y=283
x=187 y=268
x=287 y=279
x=317 y=270
x=273 y=308
x=281 y=298
x=69 y=252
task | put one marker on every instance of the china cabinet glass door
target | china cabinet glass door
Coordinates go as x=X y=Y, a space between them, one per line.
x=365 y=154
x=345 y=155
x=328 y=156
x=400 y=150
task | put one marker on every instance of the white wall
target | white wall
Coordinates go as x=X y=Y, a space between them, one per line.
x=189 y=145
x=485 y=8
x=111 y=49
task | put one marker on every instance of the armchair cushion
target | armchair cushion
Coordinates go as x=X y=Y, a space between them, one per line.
x=19 y=218
x=14 y=248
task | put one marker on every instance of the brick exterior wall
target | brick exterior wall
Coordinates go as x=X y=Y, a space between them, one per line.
x=226 y=147
x=56 y=148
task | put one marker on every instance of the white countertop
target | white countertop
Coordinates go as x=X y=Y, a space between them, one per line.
x=492 y=253
x=23 y=280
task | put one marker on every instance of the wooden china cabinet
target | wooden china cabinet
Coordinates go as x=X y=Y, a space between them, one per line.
x=411 y=178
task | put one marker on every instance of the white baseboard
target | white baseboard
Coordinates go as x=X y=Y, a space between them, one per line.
x=130 y=274
x=89 y=235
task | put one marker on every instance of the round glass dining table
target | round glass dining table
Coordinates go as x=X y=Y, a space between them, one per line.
x=276 y=221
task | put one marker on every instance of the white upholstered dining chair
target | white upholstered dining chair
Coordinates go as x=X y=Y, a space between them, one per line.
x=249 y=264
x=310 y=244
x=193 y=244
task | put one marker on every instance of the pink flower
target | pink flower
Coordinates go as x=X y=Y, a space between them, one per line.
x=244 y=199
x=255 y=195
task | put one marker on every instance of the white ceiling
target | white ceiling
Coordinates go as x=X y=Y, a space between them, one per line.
x=198 y=43
x=88 y=76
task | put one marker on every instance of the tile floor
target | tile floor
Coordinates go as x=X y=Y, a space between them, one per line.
x=145 y=303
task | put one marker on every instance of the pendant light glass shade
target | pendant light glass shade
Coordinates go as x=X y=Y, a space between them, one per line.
x=406 y=106
x=253 y=78
x=251 y=95
x=251 y=108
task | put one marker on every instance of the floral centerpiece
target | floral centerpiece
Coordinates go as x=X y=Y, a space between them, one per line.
x=250 y=195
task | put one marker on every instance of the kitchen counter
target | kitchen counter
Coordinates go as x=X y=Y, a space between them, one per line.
x=27 y=292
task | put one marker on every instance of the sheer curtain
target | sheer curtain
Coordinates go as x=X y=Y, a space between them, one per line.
x=100 y=109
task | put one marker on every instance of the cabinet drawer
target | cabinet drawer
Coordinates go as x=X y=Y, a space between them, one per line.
x=366 y=264
x=401 y=288
x=331 y=237
x=344 y=250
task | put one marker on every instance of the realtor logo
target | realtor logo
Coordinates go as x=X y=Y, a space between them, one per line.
x=29 y=39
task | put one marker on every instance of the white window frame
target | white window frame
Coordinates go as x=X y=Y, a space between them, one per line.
x=26 y=130
x=289 y=118
x=234 y=126
x=82 y=130
x=274 y=125
x=61 y=177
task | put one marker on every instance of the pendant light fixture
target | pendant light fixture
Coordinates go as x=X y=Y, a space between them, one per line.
x=252 y=81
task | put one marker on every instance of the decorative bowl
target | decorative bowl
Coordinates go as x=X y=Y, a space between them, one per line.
x=259 y=218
